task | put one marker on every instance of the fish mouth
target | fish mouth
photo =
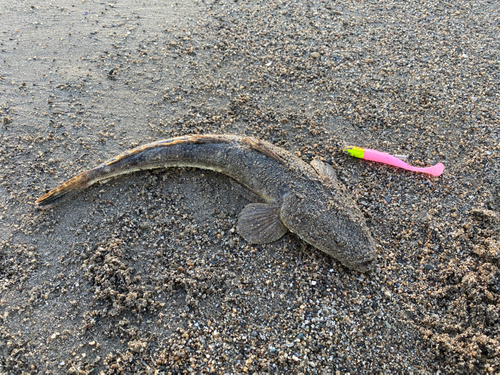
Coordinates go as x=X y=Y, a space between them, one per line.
x=363 y=263
x=364 y=266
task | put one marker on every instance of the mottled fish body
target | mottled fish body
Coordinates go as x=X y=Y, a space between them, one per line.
x=304 y=199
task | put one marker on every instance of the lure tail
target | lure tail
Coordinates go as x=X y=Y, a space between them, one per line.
x=382 y=157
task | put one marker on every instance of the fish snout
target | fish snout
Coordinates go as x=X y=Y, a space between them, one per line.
x=364 y=265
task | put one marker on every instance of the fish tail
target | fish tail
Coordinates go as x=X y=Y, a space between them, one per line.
x=65 y=190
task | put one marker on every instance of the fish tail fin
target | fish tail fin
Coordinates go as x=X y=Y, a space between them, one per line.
x=65 y=190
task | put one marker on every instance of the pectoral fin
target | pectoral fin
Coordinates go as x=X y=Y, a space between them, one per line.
x=323 y=169
x=260 y=223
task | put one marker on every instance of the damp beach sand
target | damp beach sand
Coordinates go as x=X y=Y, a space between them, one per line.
x=147 y=273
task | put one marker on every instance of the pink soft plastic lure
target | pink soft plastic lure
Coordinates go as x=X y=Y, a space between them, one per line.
x=382 y=157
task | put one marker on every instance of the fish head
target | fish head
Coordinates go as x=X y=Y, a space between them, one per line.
x=334 y=225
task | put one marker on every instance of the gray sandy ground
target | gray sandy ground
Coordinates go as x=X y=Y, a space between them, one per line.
x=147 y=273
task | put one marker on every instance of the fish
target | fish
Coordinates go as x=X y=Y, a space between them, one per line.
x=305 y=199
